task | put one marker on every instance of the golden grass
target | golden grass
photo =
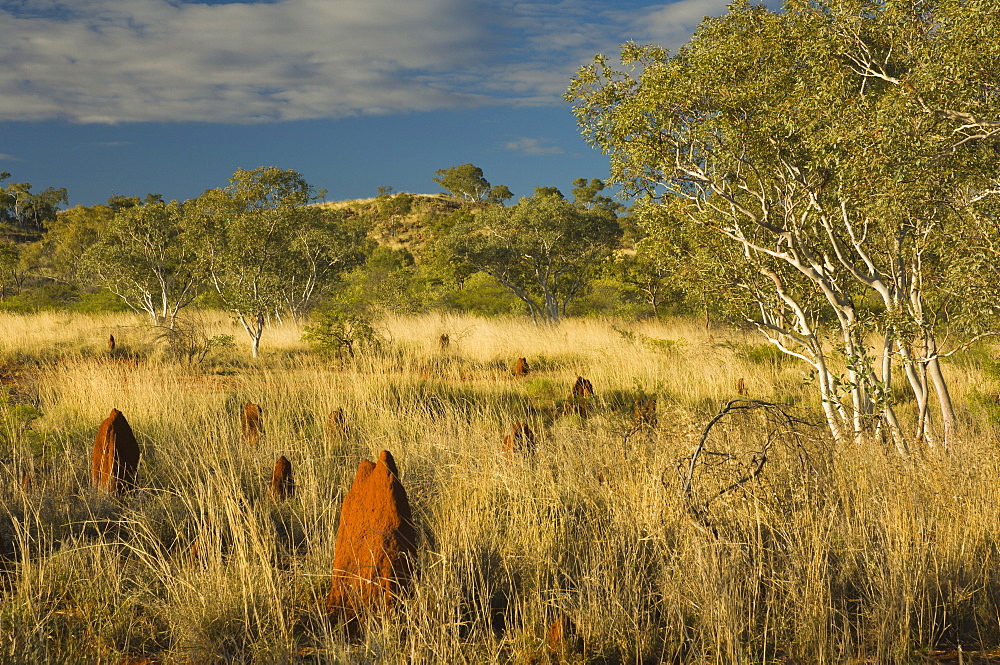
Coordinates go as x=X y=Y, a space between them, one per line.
x=868 y=558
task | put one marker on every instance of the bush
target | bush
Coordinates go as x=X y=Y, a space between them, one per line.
x=343 y=334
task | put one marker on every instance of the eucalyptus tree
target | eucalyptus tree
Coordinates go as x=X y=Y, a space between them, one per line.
x=837 y=148
x=465 y=181
x=28 y=210
x=59 y=254
x=326 y=244
x=544 y=248
x=248 y=237
x=147 y=257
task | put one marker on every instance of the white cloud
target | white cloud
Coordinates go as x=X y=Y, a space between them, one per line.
x=4 y=157
x=533 y=146
x=109 y=61
x=671 y=24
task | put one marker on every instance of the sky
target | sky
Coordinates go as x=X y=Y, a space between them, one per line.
x=131 y=97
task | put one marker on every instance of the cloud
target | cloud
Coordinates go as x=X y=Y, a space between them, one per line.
x=112 y=61
x=533 y=146
x=4 y=157
x=670 y=25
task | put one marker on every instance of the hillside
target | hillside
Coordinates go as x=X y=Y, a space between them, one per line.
x=401 y=220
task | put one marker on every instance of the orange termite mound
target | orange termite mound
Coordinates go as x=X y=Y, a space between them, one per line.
x=282 y=484
x=521 y=367
x=253 y=426
x=577 y=402
x=583 y=388
x=563 y=639
x=521 y=439
x=376 y=543
x=741 y=387
x=336 y=424
x=116 y=455
x=645 y=411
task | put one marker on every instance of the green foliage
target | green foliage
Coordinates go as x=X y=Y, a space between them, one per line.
x=465 y=181
x=544 y=249
x=188 y=342
x=148 y=258
x=10 y=256
x=60 y=253
x=26 y=210
x=766 y=355
x=842 y=155
x=343 y=334
x=500 y=194
x=264 y=249
x=984 y=404
x=15 y=425
x=485 y=295
x=48 y=296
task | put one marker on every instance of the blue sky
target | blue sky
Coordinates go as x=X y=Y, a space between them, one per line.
x=171 y=96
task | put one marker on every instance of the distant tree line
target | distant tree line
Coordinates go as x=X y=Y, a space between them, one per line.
x=263 y=247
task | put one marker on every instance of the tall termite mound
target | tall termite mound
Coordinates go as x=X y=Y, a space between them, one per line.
x=376 y=543
x=116 y=455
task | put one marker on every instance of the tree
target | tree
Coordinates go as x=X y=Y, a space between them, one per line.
x=500 y=194
x=247 y=236
x=58 y=255
x=119 y=202
x=326 y=244
x=836 y=148
x=145 y=257
x=544 y=249
x=9 y=260
x=465 y=182
x=26 y=210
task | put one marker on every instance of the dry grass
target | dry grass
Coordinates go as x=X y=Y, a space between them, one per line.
x=864 y=558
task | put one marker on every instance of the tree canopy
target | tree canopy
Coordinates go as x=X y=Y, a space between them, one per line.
x=838 y=149
x=543 y=249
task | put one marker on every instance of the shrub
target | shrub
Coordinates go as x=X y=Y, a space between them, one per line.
x=343 y=334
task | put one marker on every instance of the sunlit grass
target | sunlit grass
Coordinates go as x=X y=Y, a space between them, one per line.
x=880 y=559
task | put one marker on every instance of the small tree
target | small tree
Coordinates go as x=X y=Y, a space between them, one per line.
x=327 y=243
x=247 y=239
x=27 y=210
x=146 y=258
x=59 y=255
x=465 y=182
x=500 y=194
x=544 y=249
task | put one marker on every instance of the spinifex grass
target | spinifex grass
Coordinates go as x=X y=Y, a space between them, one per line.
x=883 y=560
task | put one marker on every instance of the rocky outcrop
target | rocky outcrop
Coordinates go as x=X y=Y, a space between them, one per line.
x=116 y=455
x=376 y=544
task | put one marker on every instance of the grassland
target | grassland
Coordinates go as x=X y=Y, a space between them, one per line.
x=851 y=555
